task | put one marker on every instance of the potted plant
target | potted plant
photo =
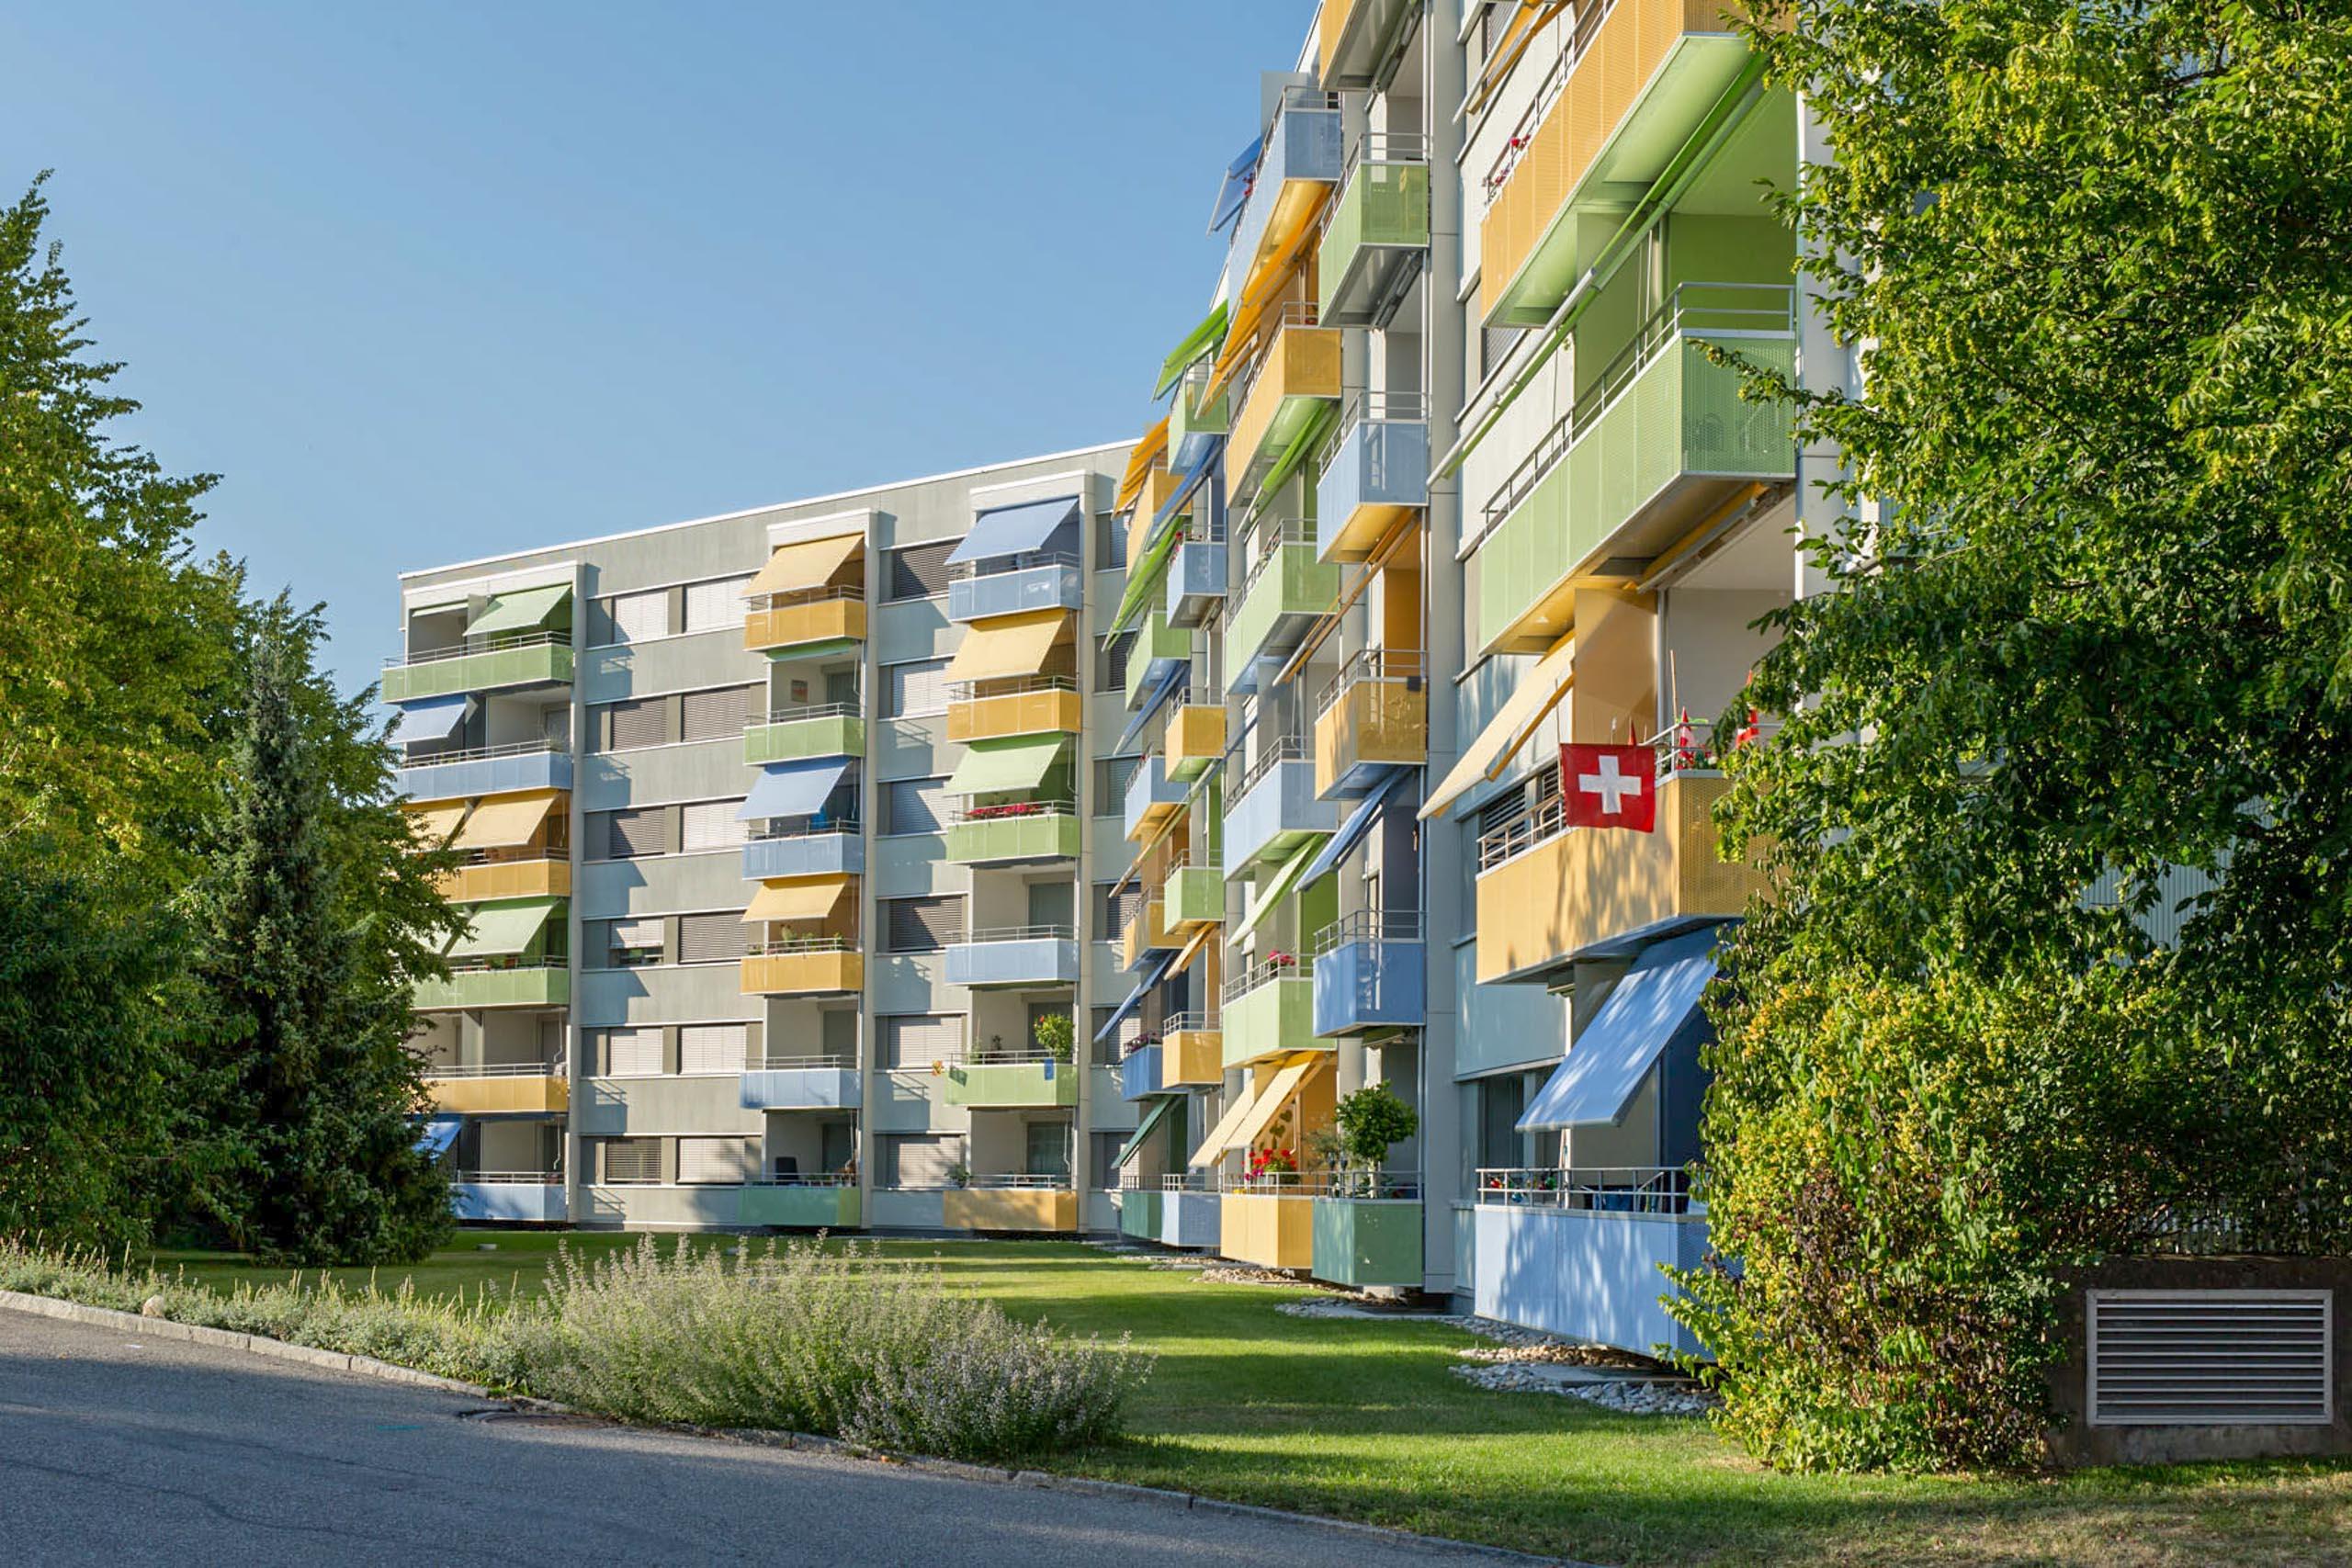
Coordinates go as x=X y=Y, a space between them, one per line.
x=1271 y=1165
x=960 y=1174
x=1058 y=1036
x=1371 y=1122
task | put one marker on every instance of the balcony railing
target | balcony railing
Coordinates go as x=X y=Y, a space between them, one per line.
x=807 y=711
x=1281 y=966
x=1289 y=748
x=508 y=1177
x=1021 y=1181
x=1624 y=1190
x=1019 y=933
x=803 y=1178
x=1376 y=666
x=800 y=944
x=1368 y=926
x=833 y=1061
x=479 y=644
x=757 y=603
x=1680 y=750
x=542 y=1069
x=1392 y=1185
x=541 y=747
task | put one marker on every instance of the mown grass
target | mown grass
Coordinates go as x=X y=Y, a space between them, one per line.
x=1366 y=1420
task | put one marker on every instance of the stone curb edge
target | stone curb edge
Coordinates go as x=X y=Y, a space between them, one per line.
x=389 y=1372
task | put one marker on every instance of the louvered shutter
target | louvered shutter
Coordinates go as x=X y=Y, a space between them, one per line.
x=723 y=1162
x=710 y=939
x=632 y=1053
x=713 y=1047
x=712 y=825
x=918 y=688
x=628 y=726
x=914 y=1040
x=918 y=571
x=923 y=925
x=632 y=1160
x=916 y=1159
x=628 y=834
x=1111 y=662
x=628 y=942
x=638 y=616
x=2210 y=1358
x=711 y=606
x=713 y=716
x=913 y=806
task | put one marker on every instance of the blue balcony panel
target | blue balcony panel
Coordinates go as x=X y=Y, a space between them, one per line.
x=1587 y=1275
x=812 y=854
x=1275 y=814
x=1151 y=787
x=800 y=1089
x=518 y=1203
x=1055 y=585
x=1369 y=985
x=1022 y=961
x=1195 y=584
x=1140 y=1073
x=484 y=776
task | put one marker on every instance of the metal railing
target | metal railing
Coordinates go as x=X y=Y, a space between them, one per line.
x=1382 y=147
x=1271 y=326
x=800 y=944
x=1623 y=1189
x=545 y=1069
x=805 y=710
x=1406 y=667
x=1191 y=1023
x=508 y=1177
x=486 y=753
x=1130 y=1182
x=1279 y=966
x=1580 y=37
x=1027 y=1053
x=1009 y=810
x=1371 y=926
x=1030 y=561
x=1379 y=408
x=1009 y=686
x=1289 y=748
x=1183 y=860
x=1267 y=546
x=498 y=644
x=1394 y=1185
x=833 y=828
x=792 y=598
x=1685 y=310
x=832 y=1062
x=484 y=966
x=803 y=1178
x=1687 y=747
x=1019 y=933
x=515 y=855
x=1022 y=1182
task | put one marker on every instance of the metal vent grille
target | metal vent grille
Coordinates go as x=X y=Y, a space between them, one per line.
x=2210 y=1358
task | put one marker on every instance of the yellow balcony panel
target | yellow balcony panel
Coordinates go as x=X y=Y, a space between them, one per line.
x=1610 y=118
x=1195 y=740
x=530 y=1090
x=1040 y=712
x=1193 y=1055
x=1148 y=932
x=1379 y=717
x=800 y=968
x=1272 y=1230
x=1301 y=369
x=548 y=877
x=1159 y=486
x=840 y=617
x=1577 y=890
x=1009 y=1209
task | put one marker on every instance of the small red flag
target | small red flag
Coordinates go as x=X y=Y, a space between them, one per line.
x=1609 y=786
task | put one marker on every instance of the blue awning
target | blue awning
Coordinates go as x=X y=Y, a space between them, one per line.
x=1359 y=823
x=1155 y=970
x=1234 y=189
x=1604 y=1069
x=1192 y=480
x=793 y=789
x=438 y=1134
x=435 y=718
x=1015 y=530
x=1161 y=690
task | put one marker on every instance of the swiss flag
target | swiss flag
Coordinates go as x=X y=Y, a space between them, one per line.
x=1609 y=786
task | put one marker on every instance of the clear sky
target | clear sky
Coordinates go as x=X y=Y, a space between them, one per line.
x=432 y=281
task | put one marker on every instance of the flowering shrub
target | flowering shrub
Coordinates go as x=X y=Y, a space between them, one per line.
x=1012 y=809
x=1273 y=1162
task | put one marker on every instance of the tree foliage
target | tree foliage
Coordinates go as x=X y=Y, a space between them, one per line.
x=2060 y=812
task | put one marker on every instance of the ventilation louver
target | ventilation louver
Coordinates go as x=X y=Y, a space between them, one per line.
x=2210 y=1358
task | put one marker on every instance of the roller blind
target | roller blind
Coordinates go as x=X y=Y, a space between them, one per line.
x=914 y=806
x=712 y=825
x=634 y=617
x=914 y=1040
x=628 y=941
x=710 y=605
x=710 y=939
x=1111 y=662
x=1104 y=1164
x=715 y=716
x=629 y=1160
x=628 y=834
x=917 y=688
x=923 y=925
x=724 y=1162
x=713 y=1047
x=643 y=721
x=918 y=571
x=1112 y=777
x=916 y=1159
x=632 y=1053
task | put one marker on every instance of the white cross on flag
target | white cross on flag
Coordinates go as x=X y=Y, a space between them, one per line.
x=1609 y=786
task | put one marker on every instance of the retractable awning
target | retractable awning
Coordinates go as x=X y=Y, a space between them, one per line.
x=504 y=821
x=1015 y=530
x=500 y=931
x=432 y=824
x=1233 y=191
x=805 y=564
x=1155 y=970
x=1201 y=340
x=1281 y=1090
x=1293 y=872
x=1191 y=949
x=1528 y=706
x=1146 y=452
x=1597 y=1081
x=435 y=718
x=1192 y=478
x=990 y=767
x=808 y=899
x=1144 y=1128
x=525 y=610
x=1161 y=690
x=1359 y=823
x=793 y=789
x=1143 y=582
x=1017 y=645
x=433 y=1140
x=1220 y=1138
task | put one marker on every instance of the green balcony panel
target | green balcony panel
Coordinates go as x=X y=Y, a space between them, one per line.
x=536 y=664
x=1381 y=221
x=1280 y=601
x=1012 y=1086
x=1681 y=419
x=1158 y=644
x=1368 y=1241
x=1139 y=1213
x=1041 y=837
x=1278 y=1016
x=525 y=987
x=798 y=1207
x=1195 y=895
x=797 y=739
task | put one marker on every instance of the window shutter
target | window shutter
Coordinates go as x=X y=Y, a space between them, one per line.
x=626 y=938
x=712 y=825
x=1106 y=1156
x=713 y=1047
x=724 y=1162
x=713 y=716
x=918 y=688
x=923 y=925
x=1110 y=542
x=632 y=1053
x=711 y=606
x=628 y=834
x=913 y=806
x=636 y=616
x=710 y=939
x=918 y=571
x=632 y=1160
x=1111 y=662
x=914 y=1040
x=916 y=1159
x=625 y=727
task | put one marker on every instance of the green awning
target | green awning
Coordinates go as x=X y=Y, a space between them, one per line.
x=525 y=610
x=500 y=931
x=1295 y=453
x=1143 y=578
x=992 y=766
x=1293 y=870
x=1198 y=341
x=1151 y=1119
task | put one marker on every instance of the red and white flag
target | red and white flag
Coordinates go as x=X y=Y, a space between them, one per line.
x=1609 y=786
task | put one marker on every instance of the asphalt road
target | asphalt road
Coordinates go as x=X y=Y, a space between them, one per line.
x=115 y=1450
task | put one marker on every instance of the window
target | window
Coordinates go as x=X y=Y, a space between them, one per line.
x=912 y=1041
x=714 y=1047
x=716 y=604
x=921 y=925
x=1045 y=1148
x=715 y=1162
x=915 y=688
x=1053 y=904
x=915 y=1160
x=627 y=944
x=632 y=1053
x=711 y=939
x=626 y=835
x=918 y=571
x=1500 y=1101
x=1106 y=1147
x=1111 y=661
x=712 y=825
x=1495 y=345
x=837 y=1030
x=623 y=727
x=1111 y=1050
x=914 y=806
x=633 y=617
x=632 y=1161
x=1112 y=777
x=719 y=715
x=1110 y=909
x=1110 y=542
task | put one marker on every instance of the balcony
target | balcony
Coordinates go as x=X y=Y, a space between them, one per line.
x=1632 y=83
x=1194 y=897
x=1195 y=740
x=1375 y=715
x=1364 y=1241
x=1577 y=1253
x=1152 y=797
x=1275 y=807
x=801 y=1083
x=1030 y=704
x=1029 y=1204
x=530 y=1089
x=1160 y=487
x=1158 y=648
x=1369 y=974
x=838 y=851
x=801 y=1202
x=1192 y=1051
x=806 y=623
x=546 y=984
x=1146 y=934
x=821 y=965
x=1193 y=421
x=1547 y=893
x=794 y=735
x=1351 y=36
x=509 y=1197
x=1039 y=583
x=1287 y=590
x=1269 y=1011
x=1195 y=579
x=997 y=835
x=487 y=875
x=1379 y=475
x=1378 y=234
x=1173 y=1212
x=1303 y=150
x=1659 y=440
x=539 y=659
x=494 y=770
x=1015 y=955
x=1297 y=375
x=1139 y=1072
x=1270 y=1228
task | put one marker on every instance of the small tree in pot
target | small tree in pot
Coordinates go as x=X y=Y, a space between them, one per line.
x=1371 y=1122
x=1057 y=1036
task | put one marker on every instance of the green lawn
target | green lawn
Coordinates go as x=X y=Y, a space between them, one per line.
x=1365 y=1419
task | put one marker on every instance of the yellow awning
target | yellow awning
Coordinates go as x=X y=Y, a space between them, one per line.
x=433 y=824
x=1192 y=950
x=805 y=564
x=1017 y=645
x=1147 y=451
x=1539 y=691
x=1220 y=1136
x=1279 y=1091
x=797 y=899
x=503 y=821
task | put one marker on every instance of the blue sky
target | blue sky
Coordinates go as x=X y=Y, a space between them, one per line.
x=434 y=281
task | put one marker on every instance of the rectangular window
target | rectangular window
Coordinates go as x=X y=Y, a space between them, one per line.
x=918 y=571
x=624 y=726
x=627 y=835
x=712 y=825
x=710 y=939
x=912 y=1041
x=632 y=1053
x=721 y=715
x=625 y=945
x=1105 y=1150
x=1046 y=1145
x=713 y=605
x=713 y=1047
x=1112 y=777
x=715 y=1162
x=1112 y=1049
x=1111 y=661
x=1053 y=904
x=915 y=689
x=915 y=1160
x=914 y=806
x=921 y=925
x=632 y=1161
x=633 y=617
x=1110 y=542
